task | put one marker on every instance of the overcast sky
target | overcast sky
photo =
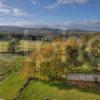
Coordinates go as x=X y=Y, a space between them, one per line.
x=66 y=14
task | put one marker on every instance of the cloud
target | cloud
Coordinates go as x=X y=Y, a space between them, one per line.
x=7 y=10
x=71 y=1
x=92 y=25
x=81 y=24
x=35 y=2
x=1 y=4
x=4 y=11
x=84 y=24
x=64 y=2
x=19 y=12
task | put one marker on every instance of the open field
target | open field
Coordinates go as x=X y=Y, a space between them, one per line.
x=3 y=46
x=10 y=86
x=24 y=45
x=9 y=63
x=39 y=90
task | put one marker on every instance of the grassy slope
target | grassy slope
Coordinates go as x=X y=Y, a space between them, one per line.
x=56 y=91
x=9 y=63
x=10 y=87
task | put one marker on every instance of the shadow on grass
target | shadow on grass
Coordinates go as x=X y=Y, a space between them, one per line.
x=69 y=86
x=19 y=53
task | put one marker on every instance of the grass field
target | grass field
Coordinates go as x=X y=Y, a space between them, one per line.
x=24 y=45
x=10 y=86
x=9 y=63
x=3 y=46
x=39 y=90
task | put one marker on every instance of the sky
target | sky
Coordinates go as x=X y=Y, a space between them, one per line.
x=64 y=14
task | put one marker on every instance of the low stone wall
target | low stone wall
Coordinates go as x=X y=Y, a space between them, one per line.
x=84 y=77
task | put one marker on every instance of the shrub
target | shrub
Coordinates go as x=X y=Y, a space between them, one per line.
x=14 y=45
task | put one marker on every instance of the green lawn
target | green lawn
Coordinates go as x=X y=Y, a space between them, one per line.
x=39 y=90
x=10 y=86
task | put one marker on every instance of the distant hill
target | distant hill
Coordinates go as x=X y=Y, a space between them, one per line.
x=33 y=33
x=47 y=33
x=76 y=30
x=16 y=29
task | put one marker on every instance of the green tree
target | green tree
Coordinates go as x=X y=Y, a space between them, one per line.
x=14 y=45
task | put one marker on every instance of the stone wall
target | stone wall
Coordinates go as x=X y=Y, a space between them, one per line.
x=84 y=77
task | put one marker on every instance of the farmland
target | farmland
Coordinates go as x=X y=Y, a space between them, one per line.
x=24 y=45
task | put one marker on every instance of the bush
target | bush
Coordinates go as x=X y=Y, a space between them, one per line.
x=14 y=45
